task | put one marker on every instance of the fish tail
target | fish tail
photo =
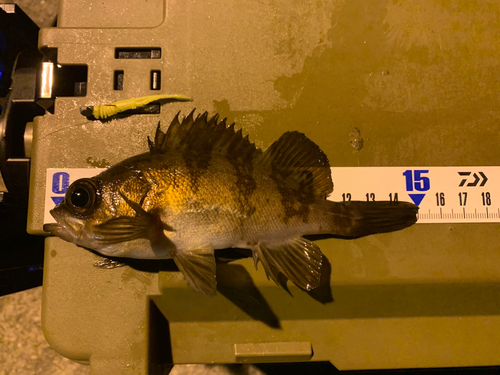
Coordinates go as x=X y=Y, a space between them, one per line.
x=359 y=218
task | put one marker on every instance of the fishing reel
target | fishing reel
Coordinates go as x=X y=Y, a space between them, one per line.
x=19 y=58
x=21 y=255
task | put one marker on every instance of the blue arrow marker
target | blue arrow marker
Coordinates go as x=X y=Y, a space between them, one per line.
x=417 y=198
x=57 y=200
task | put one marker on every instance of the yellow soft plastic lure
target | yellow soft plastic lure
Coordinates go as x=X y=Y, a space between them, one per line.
x=107 y=110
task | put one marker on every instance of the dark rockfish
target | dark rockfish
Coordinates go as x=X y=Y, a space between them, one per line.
x=204 y=187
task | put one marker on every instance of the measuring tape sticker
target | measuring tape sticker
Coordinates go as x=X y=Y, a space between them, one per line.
x=443 y=194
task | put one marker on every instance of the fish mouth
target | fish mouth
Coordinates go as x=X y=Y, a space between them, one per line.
x=64 y=227
x=55 y=228
x=60 y=231
x=52 y=228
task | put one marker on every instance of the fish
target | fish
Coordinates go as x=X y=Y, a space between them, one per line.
x=203 y=186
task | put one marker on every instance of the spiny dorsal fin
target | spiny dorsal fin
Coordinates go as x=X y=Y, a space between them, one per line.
x=299 y=162
x=295 y=159
x=203 y=136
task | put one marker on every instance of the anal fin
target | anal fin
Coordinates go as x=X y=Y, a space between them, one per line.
x=198 y=267
x=297 y=259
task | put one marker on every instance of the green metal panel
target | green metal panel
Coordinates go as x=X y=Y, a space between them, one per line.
x=419 y=80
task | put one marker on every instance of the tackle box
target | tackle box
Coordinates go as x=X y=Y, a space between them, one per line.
x=374 y=84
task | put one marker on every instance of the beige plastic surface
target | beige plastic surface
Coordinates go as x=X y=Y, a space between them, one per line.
x=419 y=80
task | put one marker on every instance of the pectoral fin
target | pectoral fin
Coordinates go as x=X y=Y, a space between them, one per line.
x=298 y=259
x=122 y=229
x=126 y=228
x=198 y=267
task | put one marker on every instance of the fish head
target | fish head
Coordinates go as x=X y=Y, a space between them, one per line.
x=82 y=209
x=96 y=215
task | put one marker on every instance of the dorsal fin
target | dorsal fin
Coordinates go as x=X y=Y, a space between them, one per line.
x=203 y=136
x=300 y=162
x=296 y=160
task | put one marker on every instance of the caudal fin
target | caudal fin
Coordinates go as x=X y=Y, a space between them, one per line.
x=364 y=218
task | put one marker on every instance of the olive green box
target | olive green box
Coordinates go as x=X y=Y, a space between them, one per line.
x=420 y=80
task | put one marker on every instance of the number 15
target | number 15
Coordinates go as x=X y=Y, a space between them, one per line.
x=415 y=180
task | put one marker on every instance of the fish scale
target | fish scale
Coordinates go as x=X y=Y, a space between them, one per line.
x=202 y=187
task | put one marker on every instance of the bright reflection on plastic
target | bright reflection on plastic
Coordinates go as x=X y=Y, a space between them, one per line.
x=47 y=80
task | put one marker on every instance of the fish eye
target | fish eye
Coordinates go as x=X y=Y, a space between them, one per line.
x=81 y=196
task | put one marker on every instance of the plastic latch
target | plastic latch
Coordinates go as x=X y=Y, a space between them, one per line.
x=273 y=352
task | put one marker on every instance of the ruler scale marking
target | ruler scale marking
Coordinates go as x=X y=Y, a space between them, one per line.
x=464 y=194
